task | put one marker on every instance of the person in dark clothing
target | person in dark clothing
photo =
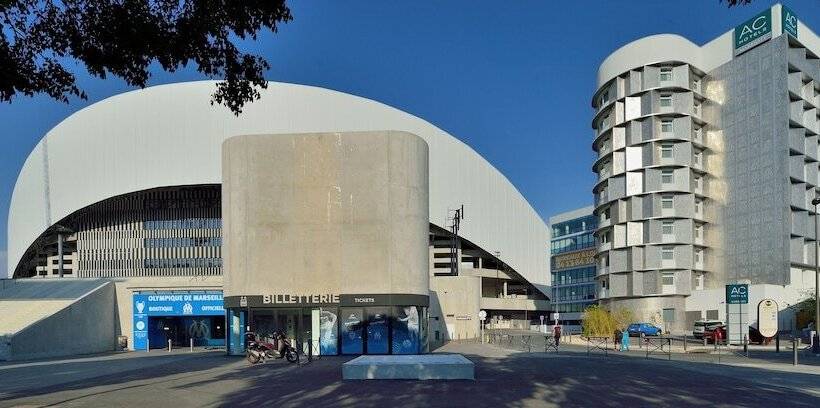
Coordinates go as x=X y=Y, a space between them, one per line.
x=556 y=333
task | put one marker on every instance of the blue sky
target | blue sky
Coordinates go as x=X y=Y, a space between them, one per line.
x=512 y=81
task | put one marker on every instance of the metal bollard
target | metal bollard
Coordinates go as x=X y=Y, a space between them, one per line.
x=640 y=342
x=777 y=343
x=147 y=345
x=684 y=344
x=192 y=345
x=169 y=345
x=746 y=345
x=794 y=351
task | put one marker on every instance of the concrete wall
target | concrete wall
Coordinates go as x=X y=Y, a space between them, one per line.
x=86 y=326
x=326 y=213
x=459 y=301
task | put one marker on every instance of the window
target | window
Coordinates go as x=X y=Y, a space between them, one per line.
x=697 y=183
x=696 y=84
x=605 y=123
x=667 y=150
x=668 y=279
x=604 y=97
x=668 y=315
x=666 y=126
x=668 y=227
x=667 y=176
x=666 y=74
x=604 y=146
x=666 y=101
x=698 y=256
x=668 y=253
x=667 y=202
x=698 y=204
x=698 y=156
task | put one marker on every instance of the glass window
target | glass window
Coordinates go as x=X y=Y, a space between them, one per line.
x=668 y=176
x=667 y=150
x=668 y=227
x=666 y=101
x=668 y=279
x=667 y=202
x=669 y=315
x=666 y=126
x=666 y=74
x=668 y=253
x=698 y=256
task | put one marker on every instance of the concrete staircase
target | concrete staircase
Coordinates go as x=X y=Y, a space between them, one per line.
x=55 y=317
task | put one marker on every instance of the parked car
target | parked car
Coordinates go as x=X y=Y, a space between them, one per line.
x=710 y=333
x=702 y=325
x=648 y=329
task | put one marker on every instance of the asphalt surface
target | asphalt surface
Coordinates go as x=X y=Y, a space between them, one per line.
x=504 y=377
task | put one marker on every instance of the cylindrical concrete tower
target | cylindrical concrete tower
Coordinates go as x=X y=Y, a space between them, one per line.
x=651 y=194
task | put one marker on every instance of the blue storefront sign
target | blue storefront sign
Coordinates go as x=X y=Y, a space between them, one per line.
x=186 y=305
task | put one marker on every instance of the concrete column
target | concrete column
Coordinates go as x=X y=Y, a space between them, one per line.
x=505 y=288
x=59 y=255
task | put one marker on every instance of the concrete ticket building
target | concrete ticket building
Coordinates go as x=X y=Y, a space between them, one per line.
x=154 y=217
x=707 y=165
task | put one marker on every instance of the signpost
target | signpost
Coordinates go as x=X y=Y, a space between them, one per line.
x=767 y=317
x=737 y=315
x=482 y=315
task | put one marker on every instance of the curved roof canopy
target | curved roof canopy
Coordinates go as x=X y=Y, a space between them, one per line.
x=171 y=135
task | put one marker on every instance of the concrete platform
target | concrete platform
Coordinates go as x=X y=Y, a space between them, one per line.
x=410 y=367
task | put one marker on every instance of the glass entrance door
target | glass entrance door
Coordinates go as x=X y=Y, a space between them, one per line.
x=378 y=341
x=352 y=322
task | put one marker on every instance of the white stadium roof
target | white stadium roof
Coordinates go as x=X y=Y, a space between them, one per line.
x=171 y=135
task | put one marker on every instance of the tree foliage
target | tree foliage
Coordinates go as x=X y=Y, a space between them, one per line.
x=600 y=322
x=124 y=37
x=733 y=3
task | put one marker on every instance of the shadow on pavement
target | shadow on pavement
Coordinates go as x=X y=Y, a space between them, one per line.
x=519 y=380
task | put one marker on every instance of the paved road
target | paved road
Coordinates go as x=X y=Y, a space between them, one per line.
x=504 y=378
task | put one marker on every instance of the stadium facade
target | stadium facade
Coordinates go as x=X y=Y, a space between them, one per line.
x=124 y=202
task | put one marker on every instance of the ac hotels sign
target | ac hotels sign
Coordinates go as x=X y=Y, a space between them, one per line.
x=753 y=32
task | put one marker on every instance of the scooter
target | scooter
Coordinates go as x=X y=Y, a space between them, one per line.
x=259 y=350
x=288 y=351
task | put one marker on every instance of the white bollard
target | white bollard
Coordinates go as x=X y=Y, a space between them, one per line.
x=169 y=345
x=192 y=345
x=147 y=345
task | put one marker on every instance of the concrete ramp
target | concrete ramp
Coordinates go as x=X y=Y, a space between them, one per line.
x=36 y=313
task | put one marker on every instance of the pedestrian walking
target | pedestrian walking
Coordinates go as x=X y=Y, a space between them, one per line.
x=616 y=339
x=625 y=341
x=556 y=333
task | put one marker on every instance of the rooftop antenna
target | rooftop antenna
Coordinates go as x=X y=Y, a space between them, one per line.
x=455 y=224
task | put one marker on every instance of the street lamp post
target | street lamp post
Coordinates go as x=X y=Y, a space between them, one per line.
x=815 y=348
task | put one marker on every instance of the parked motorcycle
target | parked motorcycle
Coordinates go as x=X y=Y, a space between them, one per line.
x=260 y=349
x=288 y=351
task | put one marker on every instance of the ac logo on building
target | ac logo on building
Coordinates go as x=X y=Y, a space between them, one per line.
x=789 y=21
x=753 y=32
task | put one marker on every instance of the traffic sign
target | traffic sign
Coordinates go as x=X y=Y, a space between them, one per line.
x=482 y=315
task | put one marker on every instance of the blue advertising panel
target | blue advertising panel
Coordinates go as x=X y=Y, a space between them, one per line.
x=172 y=304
